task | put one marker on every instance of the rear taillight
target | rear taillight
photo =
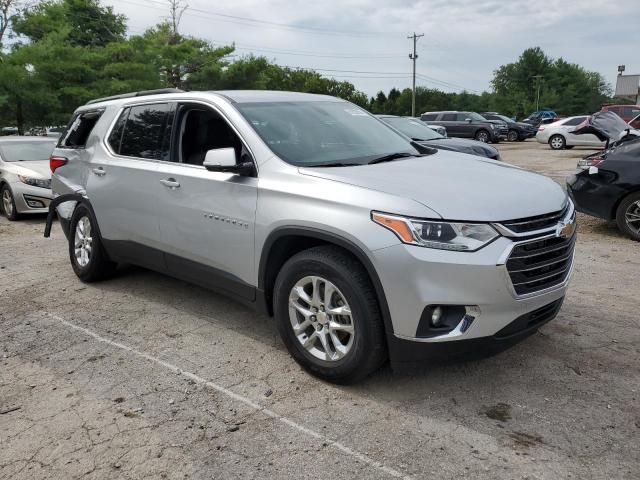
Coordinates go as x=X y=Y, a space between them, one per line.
x=588 y=162
x=55 y=162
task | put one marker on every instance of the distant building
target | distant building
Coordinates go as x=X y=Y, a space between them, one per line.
x=628 y=86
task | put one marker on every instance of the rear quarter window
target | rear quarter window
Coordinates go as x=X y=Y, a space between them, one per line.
x=79 y=129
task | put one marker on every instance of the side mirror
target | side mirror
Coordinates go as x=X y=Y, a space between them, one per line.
x=224 y=160
x=468 y=120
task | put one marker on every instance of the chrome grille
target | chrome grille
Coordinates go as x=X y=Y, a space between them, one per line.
x=539 y=222
x=540 y=264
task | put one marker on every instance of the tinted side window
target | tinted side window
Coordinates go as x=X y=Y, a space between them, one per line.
x=449 y=117
x=145 y=131
x=115 y=138
x=78 y=131
x=428 y=117
x=461 y=117
x=574 y=121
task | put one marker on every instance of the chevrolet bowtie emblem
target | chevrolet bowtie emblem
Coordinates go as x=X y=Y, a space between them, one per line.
x=565 y=230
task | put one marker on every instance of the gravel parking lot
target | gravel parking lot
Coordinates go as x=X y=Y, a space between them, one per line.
x=144 y=376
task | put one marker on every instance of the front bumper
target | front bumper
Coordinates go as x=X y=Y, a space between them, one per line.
x=30 y=199
x=415 y=277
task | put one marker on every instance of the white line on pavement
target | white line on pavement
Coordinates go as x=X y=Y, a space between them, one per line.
x=240 y=398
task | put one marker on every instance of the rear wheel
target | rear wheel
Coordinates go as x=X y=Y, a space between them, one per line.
x=512 y=136
x=628 y=216
x=483 y=136
x=88 y=257
x=557 y=142
x=328 y=315
x=8 y=203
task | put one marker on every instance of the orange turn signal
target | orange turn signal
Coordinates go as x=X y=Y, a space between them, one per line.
x=397 y=226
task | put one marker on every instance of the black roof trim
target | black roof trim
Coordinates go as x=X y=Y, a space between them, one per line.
x=141 y=93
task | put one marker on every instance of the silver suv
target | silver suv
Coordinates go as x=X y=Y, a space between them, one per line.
x=363 y=245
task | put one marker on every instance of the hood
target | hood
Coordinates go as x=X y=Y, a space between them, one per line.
x=472 y=147
x=607 y=126
x=36 y=169
x=456 y=186
x=524 y=125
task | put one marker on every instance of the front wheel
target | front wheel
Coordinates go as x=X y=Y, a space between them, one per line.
x=483 y=136
x=557 y=142
x=328 y=315
x=628 y=216
x=512 y=136
x=8 y=203
x=88 y=257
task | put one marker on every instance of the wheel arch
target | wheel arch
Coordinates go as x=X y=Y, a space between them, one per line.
x=284 y=242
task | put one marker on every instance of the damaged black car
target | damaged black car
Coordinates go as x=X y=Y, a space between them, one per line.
x=607 y=183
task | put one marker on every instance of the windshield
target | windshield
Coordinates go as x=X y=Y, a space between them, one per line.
x=412 y=128
x=504 y=118
x=475 y=116
x=25 y=151
x=320 y=133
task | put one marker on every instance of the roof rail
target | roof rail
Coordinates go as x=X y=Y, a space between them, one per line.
x=141 y=93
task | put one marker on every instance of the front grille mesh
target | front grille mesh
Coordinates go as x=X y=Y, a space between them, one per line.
x=540 y=264
x=539 y=222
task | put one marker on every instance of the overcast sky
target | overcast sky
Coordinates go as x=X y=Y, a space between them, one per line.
x=464 y=42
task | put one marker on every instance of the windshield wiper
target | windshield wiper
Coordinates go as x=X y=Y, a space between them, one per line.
x=333 y=164
x=392 y=156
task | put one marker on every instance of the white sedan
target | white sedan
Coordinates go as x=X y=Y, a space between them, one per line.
x=559 y=134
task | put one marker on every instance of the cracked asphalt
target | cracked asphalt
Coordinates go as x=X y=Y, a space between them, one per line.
x=144 y=376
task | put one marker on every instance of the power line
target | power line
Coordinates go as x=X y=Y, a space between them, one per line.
x=222 y=17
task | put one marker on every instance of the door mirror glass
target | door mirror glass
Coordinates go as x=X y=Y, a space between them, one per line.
x=220 y=159
x=468 y=120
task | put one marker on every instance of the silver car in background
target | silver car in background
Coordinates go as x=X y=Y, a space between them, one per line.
x=559 y=135
x=362 y=244
x=25 y=177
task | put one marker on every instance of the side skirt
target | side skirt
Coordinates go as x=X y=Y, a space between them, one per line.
x=183 y=269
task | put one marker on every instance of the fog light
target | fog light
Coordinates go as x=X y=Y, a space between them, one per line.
x=436 y=316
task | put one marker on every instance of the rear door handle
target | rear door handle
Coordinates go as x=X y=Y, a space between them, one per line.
x=99 y=171
x=170 y=183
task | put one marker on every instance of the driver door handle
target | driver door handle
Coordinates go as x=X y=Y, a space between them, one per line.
x=170 y=183
x=99 y=171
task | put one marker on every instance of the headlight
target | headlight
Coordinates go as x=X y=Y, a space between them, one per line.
x=463 y=237
x=35 y=182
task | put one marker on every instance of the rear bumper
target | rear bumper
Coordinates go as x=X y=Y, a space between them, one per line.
x=593 y=196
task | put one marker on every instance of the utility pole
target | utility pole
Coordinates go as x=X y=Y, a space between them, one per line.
x=414 y=56
x=538 y=79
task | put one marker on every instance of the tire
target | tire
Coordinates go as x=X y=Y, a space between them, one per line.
x=483 y=136
x=365 y=349
x=8 y=204
x=628 y=216
x=557 y=142
x=512 y=136
x=97 y=266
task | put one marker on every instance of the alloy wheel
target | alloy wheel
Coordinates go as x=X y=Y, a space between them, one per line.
x=321 y=318
x=512 y=136
x=483 y=137
x=7 y=202
x=632 y=217
x=83 y=241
